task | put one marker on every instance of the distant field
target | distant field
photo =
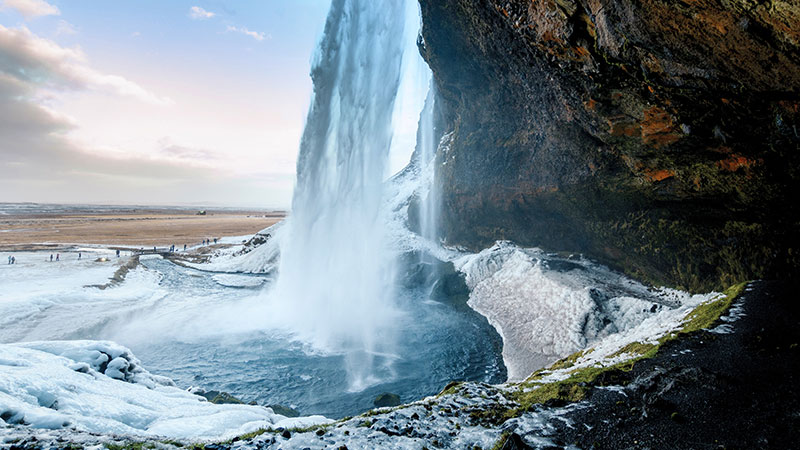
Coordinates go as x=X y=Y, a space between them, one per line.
x=143 y=227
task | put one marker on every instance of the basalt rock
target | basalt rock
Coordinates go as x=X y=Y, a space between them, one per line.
x=660 y=137
x=387 y=399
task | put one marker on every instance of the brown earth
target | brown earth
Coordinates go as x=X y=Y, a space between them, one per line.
x=144 y=228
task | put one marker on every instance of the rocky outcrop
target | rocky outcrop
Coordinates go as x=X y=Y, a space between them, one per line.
x=660 y=137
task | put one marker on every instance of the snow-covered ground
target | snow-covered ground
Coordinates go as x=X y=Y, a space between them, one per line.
x=98 y=386
x=51 y=299
x=240 y=257
x=546 y=307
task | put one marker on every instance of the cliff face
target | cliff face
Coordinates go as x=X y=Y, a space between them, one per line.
x=661 y=137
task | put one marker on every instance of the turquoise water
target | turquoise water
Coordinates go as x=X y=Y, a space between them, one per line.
x=434 y=343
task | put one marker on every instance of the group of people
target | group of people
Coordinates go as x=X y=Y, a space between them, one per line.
x=172 y=248
x=13 y=259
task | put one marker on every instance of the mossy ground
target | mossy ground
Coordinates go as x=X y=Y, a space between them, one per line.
x=535 y=390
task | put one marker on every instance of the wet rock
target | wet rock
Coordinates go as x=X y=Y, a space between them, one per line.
x=451 y=288
x=284 y=410
x=218 y=397
x=387 y=399
x=515 y=442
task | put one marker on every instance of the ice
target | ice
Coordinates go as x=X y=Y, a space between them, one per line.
x=242 y=281
x=546 y=307
x=40 y=387
x=242 y=258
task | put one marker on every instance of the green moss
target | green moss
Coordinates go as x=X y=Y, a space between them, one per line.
x=451 y=388
x=705 y=315
x=576 y=387
x=567 y=362
x=251 y=435
x=225 y=398
x=493 y=415
x=130 y=446
x=646 y=350
x=502 y=441
x=567 y=390
x=375 y=412
x=260 y=431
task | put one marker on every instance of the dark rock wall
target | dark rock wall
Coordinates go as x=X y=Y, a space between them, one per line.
x=660 y=137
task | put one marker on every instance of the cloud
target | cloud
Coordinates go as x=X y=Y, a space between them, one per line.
x=41 y=163
x=198 y=13
x=259 y=36
x=32 y=59
x=45 y=159
x=182 y=153
x=66 y=28
x=31 y=8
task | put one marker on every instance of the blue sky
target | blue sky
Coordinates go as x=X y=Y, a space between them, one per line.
x=154 y=101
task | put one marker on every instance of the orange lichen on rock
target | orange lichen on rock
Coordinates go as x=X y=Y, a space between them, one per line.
x=582 y=51
x=722 y=149
x=658 y=129
x=654 y=175
x=790 y=106
x=736 y=162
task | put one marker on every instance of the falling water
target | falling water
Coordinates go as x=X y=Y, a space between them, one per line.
x=335 y=282
x=426 y=154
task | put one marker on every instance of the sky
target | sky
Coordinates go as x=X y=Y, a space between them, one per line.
x=154 y=102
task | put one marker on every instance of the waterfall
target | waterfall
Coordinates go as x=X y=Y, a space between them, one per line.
x=335 y=284
x=427 y=145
